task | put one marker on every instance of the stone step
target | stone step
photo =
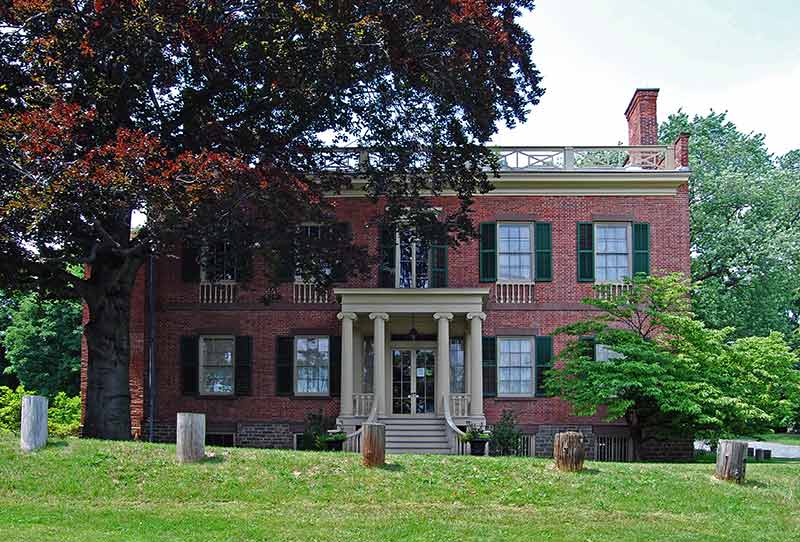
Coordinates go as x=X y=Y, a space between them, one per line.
x=416 y=438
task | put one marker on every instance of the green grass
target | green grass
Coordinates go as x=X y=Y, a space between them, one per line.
x=87 y=490
x=792 y=439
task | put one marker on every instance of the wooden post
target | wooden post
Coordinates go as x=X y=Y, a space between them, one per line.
x=33 y=430
x=373 y=444
x=731 y=460
x=191 y=437
x=568 y=451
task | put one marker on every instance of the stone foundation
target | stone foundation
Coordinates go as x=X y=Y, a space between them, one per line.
x=546 y=434
x=246 y=434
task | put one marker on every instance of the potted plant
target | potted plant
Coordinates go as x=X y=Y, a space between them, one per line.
x=333 y=440
x=477 y=436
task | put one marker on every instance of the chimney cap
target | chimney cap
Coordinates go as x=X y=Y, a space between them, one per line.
x=638 y=92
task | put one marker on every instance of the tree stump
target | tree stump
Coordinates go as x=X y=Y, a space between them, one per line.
x=731 y=460
x=33 y=430
x=373 y=444
x=568 y=451
x=191 y=437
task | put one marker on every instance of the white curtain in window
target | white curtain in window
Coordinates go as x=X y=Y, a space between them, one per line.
x=312 y=365
x=611 y=261
x=514 y=252
x=515 y=367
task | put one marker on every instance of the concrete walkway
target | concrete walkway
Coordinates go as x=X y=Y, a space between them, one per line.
x=779 y=451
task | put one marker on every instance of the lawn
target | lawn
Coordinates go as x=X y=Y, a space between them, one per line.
x=91 y=490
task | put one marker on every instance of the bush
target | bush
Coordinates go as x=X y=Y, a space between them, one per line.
x=316 y=429
x=63 y=415
x=506 y=436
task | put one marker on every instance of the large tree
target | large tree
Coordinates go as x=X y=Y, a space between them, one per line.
x=209 y=118
x=668 y=375
x=745 y=226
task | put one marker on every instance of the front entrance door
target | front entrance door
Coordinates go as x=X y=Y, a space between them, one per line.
x=413 y=381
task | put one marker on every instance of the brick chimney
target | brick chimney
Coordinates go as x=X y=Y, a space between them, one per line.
x=641 y=115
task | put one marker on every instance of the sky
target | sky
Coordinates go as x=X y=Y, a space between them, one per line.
x=743 y=57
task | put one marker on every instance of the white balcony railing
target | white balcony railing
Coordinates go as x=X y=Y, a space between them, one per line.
x=459 y=404
x=219 y=292
x=609 y=290
x=305 y=292
x=513 y=292
x=620 y=157
x=362 y=403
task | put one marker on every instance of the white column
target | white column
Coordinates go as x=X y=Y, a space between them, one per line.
x=442 y=383
x=347 y=319
x=379 y=320
x=476 y=360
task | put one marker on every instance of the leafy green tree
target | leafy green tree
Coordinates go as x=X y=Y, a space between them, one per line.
x=43 y=345
x=745 y=226
x=670 y=375
x=216 y=121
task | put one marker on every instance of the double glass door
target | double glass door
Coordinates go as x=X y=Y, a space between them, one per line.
x=413 y=381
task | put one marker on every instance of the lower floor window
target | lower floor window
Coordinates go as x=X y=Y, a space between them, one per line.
x=515 y=366
x=367 y=367
x=604 y=353
x=457 y=377
x=216 y=365
x=312 y=365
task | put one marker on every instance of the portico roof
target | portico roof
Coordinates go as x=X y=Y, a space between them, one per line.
x=411 y=300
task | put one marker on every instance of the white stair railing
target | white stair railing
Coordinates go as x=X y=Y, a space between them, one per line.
x=353 y=441
x=454 y=434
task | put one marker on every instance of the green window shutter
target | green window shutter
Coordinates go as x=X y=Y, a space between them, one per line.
x=489 y=366
x=488 y=252
x=438 y=264
x=190 y=263
x=544 y=361
x=343 y=230
x=387 y=257
x=585 y=248
x=335 y=369
x=587 y=344
x=243 y=368
x=543 y=239
x=284 y=366
x=641 y=248
x=190 y=364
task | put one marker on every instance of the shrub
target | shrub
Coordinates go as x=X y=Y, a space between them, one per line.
x=316 y=429
x=506 y=436
x=63 y=415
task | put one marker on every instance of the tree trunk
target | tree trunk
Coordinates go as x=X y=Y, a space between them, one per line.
x=191 y=437
x=568 y=451
x=33 y=429
x=107 y=333
x=373 y=444
x=731 y=460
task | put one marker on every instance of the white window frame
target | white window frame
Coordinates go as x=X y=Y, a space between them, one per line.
x=532 y=231
x=397 y=273
x=201 y=365
x=532 y=341
x=629 y=230
x=609 y=353
x=204 y=250
x=298 y=279
x=295 y=367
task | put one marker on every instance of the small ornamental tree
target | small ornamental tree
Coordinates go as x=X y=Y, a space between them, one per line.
x=213 y=121
x=668 y=375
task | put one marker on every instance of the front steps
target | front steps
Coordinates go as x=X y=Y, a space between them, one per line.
x=415 y=435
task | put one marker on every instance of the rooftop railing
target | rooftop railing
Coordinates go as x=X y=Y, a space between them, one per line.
x=527 y=159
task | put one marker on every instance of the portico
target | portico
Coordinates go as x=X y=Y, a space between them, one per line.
x=407 y=351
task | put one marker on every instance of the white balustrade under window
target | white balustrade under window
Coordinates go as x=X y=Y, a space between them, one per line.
x=304 y=292
x=513 y=292
x=608 y=291
x=219 y=292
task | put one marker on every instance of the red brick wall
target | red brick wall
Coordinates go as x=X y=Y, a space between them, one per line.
x=642 y=120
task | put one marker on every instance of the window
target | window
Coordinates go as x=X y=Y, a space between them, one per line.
x=457 y=381
x=311 y=365
x=612 y=252
x=515 y=257
x=367 y=367
x=604 y=353
x=219 y=263
x=310 y=233
x=515 y=366
x=216 y=365
x=412 y=261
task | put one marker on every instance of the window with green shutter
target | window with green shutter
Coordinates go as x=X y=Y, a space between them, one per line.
x=641 y=248
x=488 y=252
x=544 y=361
x=543 y=239
x=585 y=249
x=489 y=347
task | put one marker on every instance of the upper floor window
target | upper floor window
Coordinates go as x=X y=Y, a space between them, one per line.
x=216 y=367
x=612 y=252
x=408 y=261
x=515 y=254
x=312 y=365
x=219 y=263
